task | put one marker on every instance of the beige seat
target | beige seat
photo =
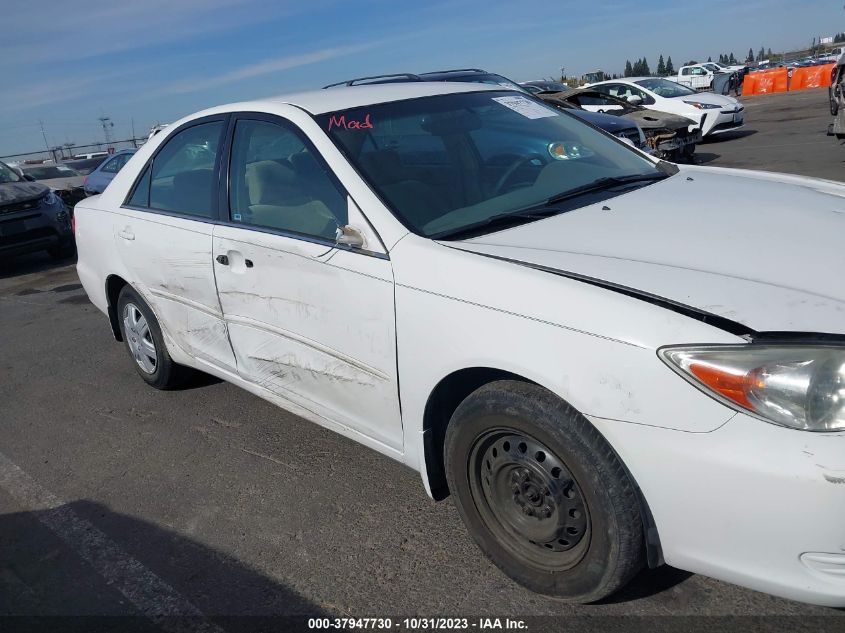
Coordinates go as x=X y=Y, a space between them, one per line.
x=278 y=200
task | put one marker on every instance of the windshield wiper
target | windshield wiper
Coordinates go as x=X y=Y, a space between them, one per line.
x=546 y=209
x=511 y=218
x=603 y=184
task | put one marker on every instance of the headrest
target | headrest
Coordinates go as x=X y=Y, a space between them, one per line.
x=270 y=171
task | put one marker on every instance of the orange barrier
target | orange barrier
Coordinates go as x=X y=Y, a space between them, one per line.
x=749 y=84
x=764 y=82
x=811 y=77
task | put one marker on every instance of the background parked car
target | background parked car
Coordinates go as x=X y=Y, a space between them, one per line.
x=99 y=179
x=64 y=180
x=32 y=218
x=715 y=113
x=544 y=86
x=673 y=137
x=85 y=165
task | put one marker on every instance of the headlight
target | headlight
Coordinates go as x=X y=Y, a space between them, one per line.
x=802 y=387
x=51 y=198
x=702 y=106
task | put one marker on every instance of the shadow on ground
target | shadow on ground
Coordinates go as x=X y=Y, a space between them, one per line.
x=728 y=136
x=647 y=583
x=69 y=570
x=31 y=263
x=702 y=158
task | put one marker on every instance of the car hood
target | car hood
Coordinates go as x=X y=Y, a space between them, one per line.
x=607 y=122
x=710 y=97
x=13 y=192
x=58 y=184
x=652 y=119
x=761 y=250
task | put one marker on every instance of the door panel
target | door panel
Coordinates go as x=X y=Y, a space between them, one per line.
x=314 y=325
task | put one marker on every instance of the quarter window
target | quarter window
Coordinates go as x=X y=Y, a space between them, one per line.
x=279 y=182
x=180 y=178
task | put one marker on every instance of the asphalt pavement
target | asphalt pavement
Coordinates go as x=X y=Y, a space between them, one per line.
x=117 y=499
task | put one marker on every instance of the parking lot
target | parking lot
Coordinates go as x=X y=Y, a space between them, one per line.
x=211 y=502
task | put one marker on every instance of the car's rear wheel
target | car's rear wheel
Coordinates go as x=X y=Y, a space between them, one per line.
x=145 y=342
x=542 y=493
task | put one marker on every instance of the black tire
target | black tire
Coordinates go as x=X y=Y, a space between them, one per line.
x=510 y=443
x=165 y=374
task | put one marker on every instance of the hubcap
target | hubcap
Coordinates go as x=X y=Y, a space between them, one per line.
x=529 y=499
x=139 y=338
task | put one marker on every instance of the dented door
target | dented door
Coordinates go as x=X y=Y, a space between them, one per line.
x=169 y=261
x=313 y=324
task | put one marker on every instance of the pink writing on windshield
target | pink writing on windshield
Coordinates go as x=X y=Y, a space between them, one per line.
x=351 y=124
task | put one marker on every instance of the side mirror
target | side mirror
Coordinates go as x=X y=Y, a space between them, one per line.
x=29 y=178
x=635 y=100
x=349 y=236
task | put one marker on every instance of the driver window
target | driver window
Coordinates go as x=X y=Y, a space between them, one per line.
x=279 y=182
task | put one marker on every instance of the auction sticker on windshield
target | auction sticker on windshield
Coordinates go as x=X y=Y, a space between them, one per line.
x=527 y=108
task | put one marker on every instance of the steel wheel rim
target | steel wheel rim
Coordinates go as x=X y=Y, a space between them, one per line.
x=139 y=337
x=529 y=500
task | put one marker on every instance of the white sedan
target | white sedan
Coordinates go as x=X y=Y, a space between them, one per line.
x=713 y=113
x=605 y=368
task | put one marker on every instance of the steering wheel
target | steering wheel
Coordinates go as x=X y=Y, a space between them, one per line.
x=511 y=170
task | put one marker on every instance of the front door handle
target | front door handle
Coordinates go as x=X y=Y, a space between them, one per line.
x=126 y=234
x=223 y=259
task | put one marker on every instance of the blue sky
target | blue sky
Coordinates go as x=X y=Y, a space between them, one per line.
x=68 y=63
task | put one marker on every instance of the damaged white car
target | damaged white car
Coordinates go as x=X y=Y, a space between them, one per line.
x=603 y=367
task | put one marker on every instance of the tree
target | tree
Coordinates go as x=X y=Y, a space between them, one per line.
x=750 y=57
x=670 y=69
x=769 y=53
x=644 y=69
x=723 y=59
x=732 y=59
x=709 y=59
x=761 y=55
x=629 y=70
x=661 y=66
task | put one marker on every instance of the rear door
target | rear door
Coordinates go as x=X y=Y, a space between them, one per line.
x=164 y=236
x=309 y=322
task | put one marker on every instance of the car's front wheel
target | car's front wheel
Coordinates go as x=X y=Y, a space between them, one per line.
x=542 y=493
x=145 y=342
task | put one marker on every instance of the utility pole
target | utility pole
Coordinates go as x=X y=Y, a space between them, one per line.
x=134 y=144
x=44 y=134
x=107 y=127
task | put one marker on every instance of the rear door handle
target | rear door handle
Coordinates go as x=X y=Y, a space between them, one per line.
x=223 y=259
x=126 y=234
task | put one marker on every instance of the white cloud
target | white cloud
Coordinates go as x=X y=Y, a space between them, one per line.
x=265 y=67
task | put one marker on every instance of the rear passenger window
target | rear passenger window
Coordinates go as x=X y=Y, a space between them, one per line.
x=181 y=178
x=278 y=182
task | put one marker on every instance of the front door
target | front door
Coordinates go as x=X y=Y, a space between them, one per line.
x=309 y=322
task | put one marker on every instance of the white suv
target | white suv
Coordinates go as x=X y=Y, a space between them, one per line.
x=606 y=359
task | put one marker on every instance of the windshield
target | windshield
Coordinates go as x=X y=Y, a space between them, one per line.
x=664 y=87
x=712 y=67
x=46 y=172
x=450 y=161
x=7 y=175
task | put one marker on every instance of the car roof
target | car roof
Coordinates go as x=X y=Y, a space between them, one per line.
x=346 y=97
